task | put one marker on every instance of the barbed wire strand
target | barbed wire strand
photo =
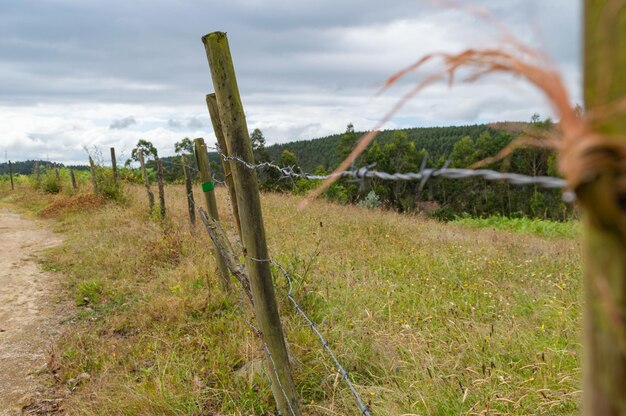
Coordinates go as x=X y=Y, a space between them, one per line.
x=205 y=219
x=344 y=374
x=423 y=175
x=259 y=334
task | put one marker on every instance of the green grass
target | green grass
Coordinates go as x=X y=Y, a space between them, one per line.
x=428 y=318
x=542 y=228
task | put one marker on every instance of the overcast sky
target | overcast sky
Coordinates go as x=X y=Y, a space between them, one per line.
x=76 y=73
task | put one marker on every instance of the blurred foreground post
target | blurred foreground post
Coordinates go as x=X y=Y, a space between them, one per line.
x=603 y=198
x=208 y=188
x=146 y=181
x=238 y=144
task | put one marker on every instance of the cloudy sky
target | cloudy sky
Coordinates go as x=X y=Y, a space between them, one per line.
x=83 y=73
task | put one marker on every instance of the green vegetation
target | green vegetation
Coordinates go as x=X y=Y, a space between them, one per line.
x=543 y=228
x=428 y=318
x=407 y=150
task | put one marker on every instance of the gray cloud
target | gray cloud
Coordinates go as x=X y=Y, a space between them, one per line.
x=122 y=123
x=195 y=123
x=304 y=68
x=174 y=124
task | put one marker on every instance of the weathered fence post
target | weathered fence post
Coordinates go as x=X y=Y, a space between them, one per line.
x=208 y=188
x=604 y=362
x=94 y=180
x=253 y=232
x=161 y=188
x=57 y=174
x=73 y=179
x=114 y=166
x=211 y=103
x=191 y=204
x=11 y=175
x=146 y=181
x=37 y=174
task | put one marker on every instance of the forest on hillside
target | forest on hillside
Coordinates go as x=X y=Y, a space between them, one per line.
x=405 y=150
x=393 y=151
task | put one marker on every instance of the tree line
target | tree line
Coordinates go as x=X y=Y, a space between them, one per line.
x=393 y=151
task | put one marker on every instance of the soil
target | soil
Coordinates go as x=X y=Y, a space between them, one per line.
x=31 y=315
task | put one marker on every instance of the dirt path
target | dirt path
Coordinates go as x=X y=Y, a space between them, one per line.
x=30 y=312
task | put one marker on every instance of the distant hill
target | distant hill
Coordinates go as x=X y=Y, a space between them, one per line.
x=438 y=141
x=28 y=166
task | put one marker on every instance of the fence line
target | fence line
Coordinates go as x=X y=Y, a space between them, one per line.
x=423 y=175
x=222 y=242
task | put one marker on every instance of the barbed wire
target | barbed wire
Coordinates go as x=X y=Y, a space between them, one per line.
x=259 y=334
x=340 y=369
x=423 y=175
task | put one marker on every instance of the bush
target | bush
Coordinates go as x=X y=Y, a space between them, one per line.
x=51 y=182
x=371 y=201
x=107 y=186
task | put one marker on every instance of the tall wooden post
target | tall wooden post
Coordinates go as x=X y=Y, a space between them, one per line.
x=114 y=166
x=94 y=180
x=252 y=228
x=146 y=181
x=73 y=179
x=604 y=362
x=211 y=103
x=208 y=188
x=191 y=204
x=161 y=186
x=11 y=175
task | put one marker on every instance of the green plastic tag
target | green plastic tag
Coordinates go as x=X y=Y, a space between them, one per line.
x=208 y=186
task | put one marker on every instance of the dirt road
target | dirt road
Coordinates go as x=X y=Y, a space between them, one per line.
x=30 y=310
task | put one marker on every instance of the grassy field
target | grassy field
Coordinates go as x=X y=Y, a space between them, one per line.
x=428 y=318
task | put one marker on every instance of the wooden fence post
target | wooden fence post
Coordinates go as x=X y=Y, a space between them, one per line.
x=73 y=179
x=11 y=175
x=57 y=174
x=253 y=232
x=211 y=103
x=161 y=188
x=94 y=180
x=604 y=362
x=114 y=166
x=37 y=174
x=208 y=188
x=146 y=181
x=191 y=204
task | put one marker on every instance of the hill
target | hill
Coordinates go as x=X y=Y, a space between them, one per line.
x=28 y=166
x=437 y=141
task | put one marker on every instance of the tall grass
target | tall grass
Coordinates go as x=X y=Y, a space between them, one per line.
x=428 y=318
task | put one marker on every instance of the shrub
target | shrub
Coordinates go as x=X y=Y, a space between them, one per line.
x=51 y=182
x=107 y=186
x=371 y=201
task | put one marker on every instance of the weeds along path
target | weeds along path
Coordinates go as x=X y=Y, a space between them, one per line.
x=29 y=310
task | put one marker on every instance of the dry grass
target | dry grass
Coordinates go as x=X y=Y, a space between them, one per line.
x=429 y=318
